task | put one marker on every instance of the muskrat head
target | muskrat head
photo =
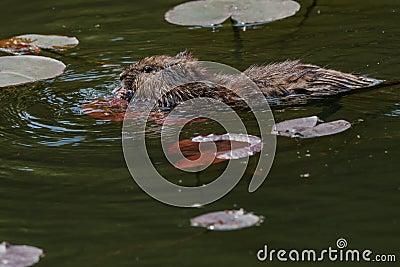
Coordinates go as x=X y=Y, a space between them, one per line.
x=135 y=75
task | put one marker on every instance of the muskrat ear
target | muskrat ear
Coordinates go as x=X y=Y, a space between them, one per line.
x=185 y=54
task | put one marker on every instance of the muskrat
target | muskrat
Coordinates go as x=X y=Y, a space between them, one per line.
x=276 y=81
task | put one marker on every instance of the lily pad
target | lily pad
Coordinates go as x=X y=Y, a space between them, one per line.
x=229 y=146
x=191 y=151
x=198 y=160
x=212 y=12
x=18 y=46
x=18 y=256
x=55 y=42
x=307 y=127
x=16 y=70
x=226 y=220
x=327 y=128
x=33 y=43
x=254 y=144
x=299 y=122
x=247 y=12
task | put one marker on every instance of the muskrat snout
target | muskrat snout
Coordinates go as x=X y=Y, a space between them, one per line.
x=117 y=90
x=122 y=93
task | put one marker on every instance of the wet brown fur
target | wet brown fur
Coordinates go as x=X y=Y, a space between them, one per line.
x=277 y=80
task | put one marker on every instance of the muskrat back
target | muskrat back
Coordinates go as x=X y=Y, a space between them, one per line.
x=278 y=80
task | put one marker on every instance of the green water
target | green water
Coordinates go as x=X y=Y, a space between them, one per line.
x=64 y=185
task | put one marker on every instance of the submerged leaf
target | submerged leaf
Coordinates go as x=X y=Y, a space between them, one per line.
x=228 y=146
x=18 y=256
x=213 y=12
x=16 y=70
x=33 y=43
x=191 y=151
x=307 y=127
x=111 y=109
x=114 y=109
x=198 y=160
x=226 y=220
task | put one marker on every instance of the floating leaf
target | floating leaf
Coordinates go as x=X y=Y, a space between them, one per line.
x=33 y=43
x=229 y=146
x=226 y=220
x=200 y=13
x=16 y=70
x=299 y=123
x=18 y=256
x=213 y=12
x=18 y=46
x=111 y=109
x=55 y=42
x=327 y=128
x=254 y=144
x=307 y=127
x=247 y=12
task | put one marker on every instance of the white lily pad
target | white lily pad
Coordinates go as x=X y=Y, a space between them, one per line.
x=226 y=220
x=327 y=128
x=55 y=42
x=254 y=144
x=16 y=70
x=18 y=256
x=307 y=127
x=213 y=12
x=33 y=43
x=296 y=123
x=253 y=11
x=200 y=13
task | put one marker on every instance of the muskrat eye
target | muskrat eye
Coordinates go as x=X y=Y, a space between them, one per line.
x=147 y=69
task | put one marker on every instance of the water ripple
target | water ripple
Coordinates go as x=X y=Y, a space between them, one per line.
x=44 y=114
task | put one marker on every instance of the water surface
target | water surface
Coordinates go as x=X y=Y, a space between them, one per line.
x=64 y=185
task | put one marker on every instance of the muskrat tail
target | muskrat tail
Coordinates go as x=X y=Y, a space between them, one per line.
x=388 y=83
